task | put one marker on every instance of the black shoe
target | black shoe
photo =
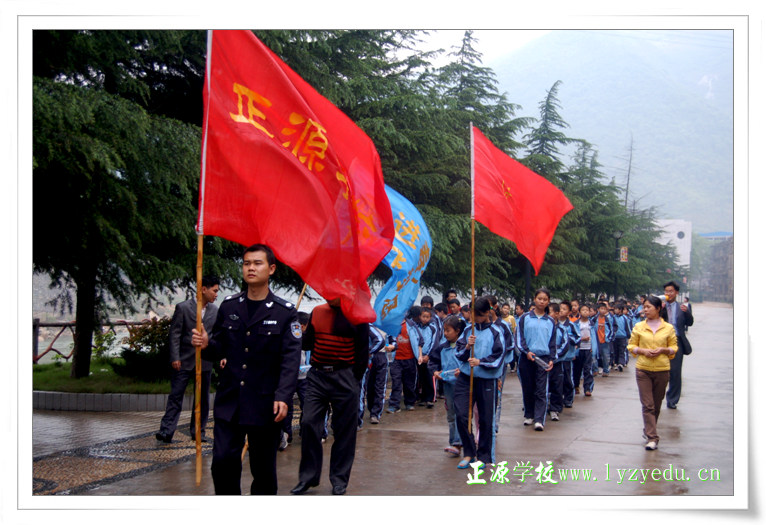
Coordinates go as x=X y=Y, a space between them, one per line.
x=338 y=490
x=163 y=437
x=302 y=488
x=202 y=438
x=672 y=407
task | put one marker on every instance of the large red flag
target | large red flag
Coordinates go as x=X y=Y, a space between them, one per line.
x=514 y=201
x=281 y=165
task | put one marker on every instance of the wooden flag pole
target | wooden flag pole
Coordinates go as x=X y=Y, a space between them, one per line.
x=297 y=305
x=473 y=283
x=198 y=365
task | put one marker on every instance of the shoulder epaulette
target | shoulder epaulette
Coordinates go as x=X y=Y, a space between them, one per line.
x=235 y=296
x=284 y=303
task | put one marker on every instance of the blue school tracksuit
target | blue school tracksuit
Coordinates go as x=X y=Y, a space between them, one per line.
x=426 y=388
x=443 y=359
x=556 y=375
x=567 y=361
x=504 y=328
x=624 y=326
x=538 y=335
x=489 y=350
x=601 y=351
x=373 y=384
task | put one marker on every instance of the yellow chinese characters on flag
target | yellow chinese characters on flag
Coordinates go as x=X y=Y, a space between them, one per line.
x=281 y=165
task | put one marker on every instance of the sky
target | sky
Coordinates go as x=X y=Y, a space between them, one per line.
x=491 y=43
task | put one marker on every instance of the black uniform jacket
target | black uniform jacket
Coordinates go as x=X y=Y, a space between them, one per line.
x=262 y=353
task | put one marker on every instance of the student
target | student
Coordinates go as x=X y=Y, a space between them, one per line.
x=556 y=375
x=604 y=336
x=508 y=346
x=426 y=391
x=453 y=305
x=373 y=388
x=404 y=369
x=583 y=363
x=465 y=311
x=482 y=352
x=574 y=311
x=444 y=365
x=621 y=336
x=536 y=337
x=568 y=387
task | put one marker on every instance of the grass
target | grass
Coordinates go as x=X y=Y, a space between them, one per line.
x=54 y=377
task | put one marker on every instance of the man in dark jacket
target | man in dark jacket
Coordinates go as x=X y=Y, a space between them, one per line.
x=259 y=336
x=680 y=316
x=183 y=360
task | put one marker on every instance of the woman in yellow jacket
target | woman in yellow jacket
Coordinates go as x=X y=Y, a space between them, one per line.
x=653 y=342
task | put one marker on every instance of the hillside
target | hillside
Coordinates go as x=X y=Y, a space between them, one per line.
x=671 y=91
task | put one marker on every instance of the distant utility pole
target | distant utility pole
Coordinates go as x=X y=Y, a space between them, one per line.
x=630 y=164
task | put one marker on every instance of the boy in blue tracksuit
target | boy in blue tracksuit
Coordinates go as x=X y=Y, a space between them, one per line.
x=536 y=337
x=602 y=334
x=556 y=375
x=444 y=365
x=483 y=353
x=504 y=328
x=427 y=332
x=373 y=384
x=568 y=387
x=621 y=335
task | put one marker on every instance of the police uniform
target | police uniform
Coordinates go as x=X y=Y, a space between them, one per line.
x=339 y=356
x=262 y=353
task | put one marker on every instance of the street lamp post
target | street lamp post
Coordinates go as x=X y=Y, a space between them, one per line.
x=617 y=236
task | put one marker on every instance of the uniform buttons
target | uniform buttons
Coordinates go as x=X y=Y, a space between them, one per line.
x=247 y=349
x=244 y=367
x=241 y=383
x=247 y=334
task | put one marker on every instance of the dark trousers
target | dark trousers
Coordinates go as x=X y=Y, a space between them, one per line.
x=556 y=388
x=534 y=389
x=339 y=389
x=582 y=366
x=227 y=457
x=404 y=376
x=287 y=423
x=619 y=357
x=375 y=383
x=651 y=390
x=674 y=385
x=178 y=382
x=568 y=383
x=426 y=383
x=484 y=395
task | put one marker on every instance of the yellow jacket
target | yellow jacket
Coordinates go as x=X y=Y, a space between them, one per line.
x=643 y=337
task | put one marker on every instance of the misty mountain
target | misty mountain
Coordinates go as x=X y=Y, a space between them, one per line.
x=672 y=91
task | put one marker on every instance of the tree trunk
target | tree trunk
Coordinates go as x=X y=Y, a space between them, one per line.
x=85 y=320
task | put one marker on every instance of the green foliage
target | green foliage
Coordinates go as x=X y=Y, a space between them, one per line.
x=101 y=380
x=147 y=354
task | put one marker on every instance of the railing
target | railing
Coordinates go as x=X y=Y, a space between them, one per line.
x=36 y=325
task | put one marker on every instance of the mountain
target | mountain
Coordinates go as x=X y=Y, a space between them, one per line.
x=671 y=91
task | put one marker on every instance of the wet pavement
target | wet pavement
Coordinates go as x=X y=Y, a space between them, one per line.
x=598 y=438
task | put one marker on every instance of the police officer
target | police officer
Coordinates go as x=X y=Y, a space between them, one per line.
x=259 y=336
x=339 y=356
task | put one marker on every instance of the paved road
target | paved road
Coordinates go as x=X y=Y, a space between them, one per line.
x=600 y=437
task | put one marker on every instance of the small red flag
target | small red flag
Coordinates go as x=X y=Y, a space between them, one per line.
x=514 y=201
x=281 y=165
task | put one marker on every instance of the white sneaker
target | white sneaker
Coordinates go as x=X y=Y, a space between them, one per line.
x=554 y=416
x=651 y=445
x=539 y=427
x=283 y=442
x=528 y=421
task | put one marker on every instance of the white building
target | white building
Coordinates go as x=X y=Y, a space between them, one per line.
x=677 y=232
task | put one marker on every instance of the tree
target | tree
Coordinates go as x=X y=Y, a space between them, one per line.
x=126 y=178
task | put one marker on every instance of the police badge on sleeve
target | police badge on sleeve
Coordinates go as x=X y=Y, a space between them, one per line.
x=295 y=329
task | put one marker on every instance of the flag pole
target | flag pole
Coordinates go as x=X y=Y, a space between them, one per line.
x=198 y=365
x=473 y=282
x=297 y=305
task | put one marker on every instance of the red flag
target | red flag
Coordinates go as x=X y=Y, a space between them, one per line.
x=514 y=201
x=281 y=165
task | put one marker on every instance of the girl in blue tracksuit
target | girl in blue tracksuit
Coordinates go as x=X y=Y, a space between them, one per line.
x=443 y=364
x=556 y=375
x=480 y=349
x=570 y=328
x=536 y=337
